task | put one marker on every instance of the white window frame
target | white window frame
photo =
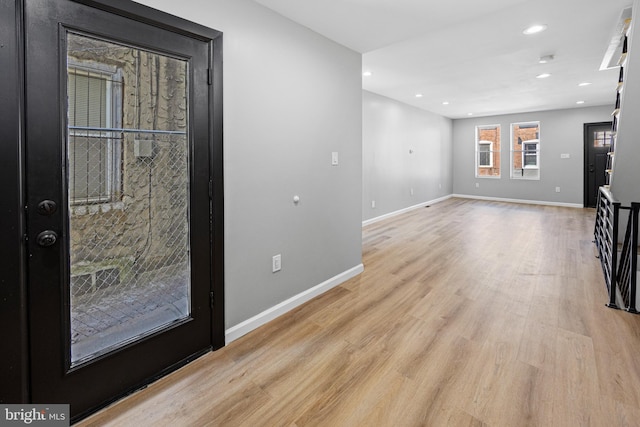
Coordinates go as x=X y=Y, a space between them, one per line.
x=513 y=152
x=525 y=153
x=492 y=151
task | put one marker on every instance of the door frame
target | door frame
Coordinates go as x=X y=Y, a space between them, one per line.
x=585 y=164
x=14 y=362
x=13 y=314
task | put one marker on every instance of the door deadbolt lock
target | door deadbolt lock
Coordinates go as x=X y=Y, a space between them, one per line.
x=47 y=238
x=47 y=207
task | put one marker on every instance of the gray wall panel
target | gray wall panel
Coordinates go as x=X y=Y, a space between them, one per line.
x=561 y=132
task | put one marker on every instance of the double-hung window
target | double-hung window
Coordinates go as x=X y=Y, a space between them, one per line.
x=94 y=95
x=488 y=151
x=485 y=159
x=525 y=150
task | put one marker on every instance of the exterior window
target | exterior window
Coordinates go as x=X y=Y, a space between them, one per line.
x=488 y=151
x=94 y=112
x=525 y=150
x=485 y=159
x=530 y=154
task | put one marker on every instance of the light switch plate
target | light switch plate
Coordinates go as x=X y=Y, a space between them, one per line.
x=334 y=158
x=276 y=263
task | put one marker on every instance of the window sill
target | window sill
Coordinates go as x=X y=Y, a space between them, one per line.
x=97 y=208
x=526 y=178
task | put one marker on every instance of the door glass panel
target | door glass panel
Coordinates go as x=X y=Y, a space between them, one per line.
x=128 y=189
x=602 y=138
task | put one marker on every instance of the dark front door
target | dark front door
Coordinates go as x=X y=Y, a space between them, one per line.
x=597 y=140
x=118 y=200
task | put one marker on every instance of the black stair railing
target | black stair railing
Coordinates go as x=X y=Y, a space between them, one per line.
x=627 y=271
x=606 y=239
x=620 y=275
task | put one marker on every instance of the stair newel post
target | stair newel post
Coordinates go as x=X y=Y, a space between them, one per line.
x=635 y=207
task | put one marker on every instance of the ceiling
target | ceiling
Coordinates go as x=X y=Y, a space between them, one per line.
x=472 y=53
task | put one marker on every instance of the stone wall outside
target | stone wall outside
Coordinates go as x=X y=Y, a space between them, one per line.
x=144 y=227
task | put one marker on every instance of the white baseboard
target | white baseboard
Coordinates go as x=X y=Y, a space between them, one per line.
x=268 y=315
x=527 y=202
x=401 y=211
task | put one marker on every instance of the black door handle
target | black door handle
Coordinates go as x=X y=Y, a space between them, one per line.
x=47 y=238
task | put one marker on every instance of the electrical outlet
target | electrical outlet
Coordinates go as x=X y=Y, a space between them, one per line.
x=411 y=191
x=477 y=185
x=557 y=189
x=373 y=204
x=276 y=263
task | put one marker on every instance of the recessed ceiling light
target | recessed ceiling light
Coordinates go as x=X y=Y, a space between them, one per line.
x=538 y=28
x=367 y=74
x=419 y=95
x=445 y=103
x=584 y=84
x=546 y=59
x=543 y=76
x=579 y=102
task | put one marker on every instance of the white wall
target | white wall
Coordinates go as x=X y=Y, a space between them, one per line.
x=626 y=173
x=391 y=130
x=291 y=97
x=561 y=132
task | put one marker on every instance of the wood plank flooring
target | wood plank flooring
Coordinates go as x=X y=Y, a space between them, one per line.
x=468 y=313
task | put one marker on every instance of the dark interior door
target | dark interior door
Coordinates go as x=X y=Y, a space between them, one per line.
x=597 y=140
x=118 y=197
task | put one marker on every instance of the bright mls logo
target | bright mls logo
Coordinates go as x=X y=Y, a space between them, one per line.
x=37 y=415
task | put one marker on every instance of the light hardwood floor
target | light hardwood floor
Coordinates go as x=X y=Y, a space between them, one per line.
x=468 y=313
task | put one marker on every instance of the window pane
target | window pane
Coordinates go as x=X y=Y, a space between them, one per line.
x=525 y=150
x=87 y=95
x=602 y=138
x=128 y=181
x=530 y=155
x=530 y=159
x=485 y=158
x=94 y=104
x=88 y=174
x=488 y=151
